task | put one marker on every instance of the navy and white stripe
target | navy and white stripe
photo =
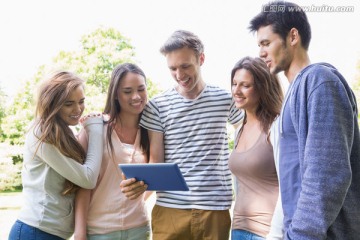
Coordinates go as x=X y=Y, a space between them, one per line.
x=195 y=137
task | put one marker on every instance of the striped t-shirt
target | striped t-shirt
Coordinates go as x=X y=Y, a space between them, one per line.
x=195 y=137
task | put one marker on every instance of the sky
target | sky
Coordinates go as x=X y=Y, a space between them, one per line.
x=34 y=31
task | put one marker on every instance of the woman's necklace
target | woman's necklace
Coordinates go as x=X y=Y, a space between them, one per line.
x=126 y=135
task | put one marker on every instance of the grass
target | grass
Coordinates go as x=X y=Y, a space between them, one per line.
x=10 y=193
x=10 y=204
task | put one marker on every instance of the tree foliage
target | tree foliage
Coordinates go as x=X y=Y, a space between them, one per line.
x=100 y=51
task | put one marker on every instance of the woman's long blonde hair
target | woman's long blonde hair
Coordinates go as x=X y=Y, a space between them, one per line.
x=49 y=127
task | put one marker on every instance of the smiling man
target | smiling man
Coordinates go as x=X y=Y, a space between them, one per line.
x=187 y=126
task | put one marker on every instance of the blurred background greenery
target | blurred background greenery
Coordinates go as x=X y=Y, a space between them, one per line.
x=100 y=51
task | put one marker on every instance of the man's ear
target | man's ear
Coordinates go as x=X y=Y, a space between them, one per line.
x=294 y=37
x=201 y=58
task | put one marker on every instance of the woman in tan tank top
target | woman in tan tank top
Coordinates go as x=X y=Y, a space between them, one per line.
x=259 y=94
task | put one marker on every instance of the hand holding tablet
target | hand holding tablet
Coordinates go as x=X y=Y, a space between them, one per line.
x=158 y=176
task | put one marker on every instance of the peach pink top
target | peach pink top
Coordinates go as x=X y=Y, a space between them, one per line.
x=110 y=210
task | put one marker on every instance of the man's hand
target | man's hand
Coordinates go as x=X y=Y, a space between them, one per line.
x=131 y=188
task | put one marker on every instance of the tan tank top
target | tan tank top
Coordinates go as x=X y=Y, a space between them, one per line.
x=256 y=187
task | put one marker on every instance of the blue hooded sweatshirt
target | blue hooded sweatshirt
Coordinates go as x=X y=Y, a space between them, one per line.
x=320 y=157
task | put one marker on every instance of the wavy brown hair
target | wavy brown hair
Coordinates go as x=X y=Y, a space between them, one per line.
x=268 y=87
x=49 y=126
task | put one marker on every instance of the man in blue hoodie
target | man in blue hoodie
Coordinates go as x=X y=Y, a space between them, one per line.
x=319 y=164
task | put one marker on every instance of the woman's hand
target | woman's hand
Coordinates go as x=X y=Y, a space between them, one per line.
x=131 y=188
x=90 y=115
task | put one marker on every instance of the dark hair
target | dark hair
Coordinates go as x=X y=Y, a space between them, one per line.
x=49 y=127
x=180 y=39
x=268 y=87
x=283 y=16
x=113 y=108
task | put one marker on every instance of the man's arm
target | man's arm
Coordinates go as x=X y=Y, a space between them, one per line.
x=156 y=147
x=325 y=139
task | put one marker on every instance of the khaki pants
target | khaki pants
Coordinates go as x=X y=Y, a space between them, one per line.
x=189 y=224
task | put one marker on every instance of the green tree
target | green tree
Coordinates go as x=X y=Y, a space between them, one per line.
x=100 y=52
x=20 y=112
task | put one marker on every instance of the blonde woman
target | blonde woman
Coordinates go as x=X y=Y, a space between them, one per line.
x=55 y=164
